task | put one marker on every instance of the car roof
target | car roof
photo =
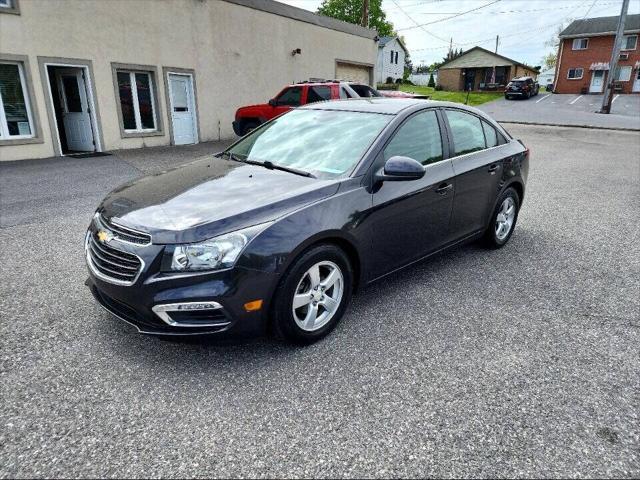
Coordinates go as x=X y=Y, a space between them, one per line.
x=327 y=82
x=388 y=106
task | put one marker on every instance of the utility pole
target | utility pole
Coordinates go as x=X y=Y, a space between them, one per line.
x=615 y=55
x=365 y=13
x=493 y=74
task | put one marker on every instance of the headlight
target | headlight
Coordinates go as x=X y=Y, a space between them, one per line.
x=214 y=254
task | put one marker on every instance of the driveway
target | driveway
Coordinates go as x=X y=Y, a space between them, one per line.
x=562 y=109
x=519 y=362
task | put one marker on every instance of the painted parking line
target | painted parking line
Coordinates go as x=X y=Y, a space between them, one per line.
x=614 y=99
x=546 y=96
x=575 y=100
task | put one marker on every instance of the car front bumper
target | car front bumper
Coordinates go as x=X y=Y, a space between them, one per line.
x=184 y=303
x=236 y=127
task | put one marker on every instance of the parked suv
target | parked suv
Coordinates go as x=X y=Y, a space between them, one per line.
x=525 y=87
x=295 y=95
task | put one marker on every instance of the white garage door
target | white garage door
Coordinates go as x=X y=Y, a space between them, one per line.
x=353 y=72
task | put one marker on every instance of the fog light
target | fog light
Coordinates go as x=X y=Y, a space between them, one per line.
x=253 y=305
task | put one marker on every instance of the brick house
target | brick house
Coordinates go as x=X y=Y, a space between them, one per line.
x=474 y=69
x=584 y=54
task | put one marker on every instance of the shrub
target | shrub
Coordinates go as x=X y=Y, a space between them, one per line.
x=388 y=86
x=432 y=82
x=438 y=88
x=398 y=81
x=389 y=80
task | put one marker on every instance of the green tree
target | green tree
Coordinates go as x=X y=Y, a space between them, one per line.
x=351 y=11
x=549 y=60
x=432 y=82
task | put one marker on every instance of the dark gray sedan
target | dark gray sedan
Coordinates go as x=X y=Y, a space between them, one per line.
x=280 y=229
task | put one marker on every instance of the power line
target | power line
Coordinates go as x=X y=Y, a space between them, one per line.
x=419 y=26
x=446 y=18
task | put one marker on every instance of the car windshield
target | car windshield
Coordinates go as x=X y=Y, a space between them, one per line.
x=325 y=143
x=364 y=90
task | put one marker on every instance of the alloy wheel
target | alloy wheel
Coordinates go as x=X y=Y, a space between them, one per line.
x=505 y=218
x=318 y=296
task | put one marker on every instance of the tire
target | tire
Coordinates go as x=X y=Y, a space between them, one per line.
x=296 y=325
x=498 y=238
x=248 y=126
x=507 y=97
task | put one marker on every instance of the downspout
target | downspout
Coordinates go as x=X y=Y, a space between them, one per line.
x=558 y=63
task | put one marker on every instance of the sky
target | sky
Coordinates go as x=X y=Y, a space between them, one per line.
x=523 y=25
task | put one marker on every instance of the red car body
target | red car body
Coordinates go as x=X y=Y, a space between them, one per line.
x=294 y=95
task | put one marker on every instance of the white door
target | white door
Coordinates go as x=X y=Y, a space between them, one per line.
x=183 y=115
x=75 y=109
x=636 y=81
x=597 y=81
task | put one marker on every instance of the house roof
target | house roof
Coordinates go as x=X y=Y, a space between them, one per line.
x=295 y=13
x=482 y=58
x=600 y=26
x=384 y=40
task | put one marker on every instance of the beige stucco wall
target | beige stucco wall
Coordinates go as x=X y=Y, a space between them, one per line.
x=240 y=55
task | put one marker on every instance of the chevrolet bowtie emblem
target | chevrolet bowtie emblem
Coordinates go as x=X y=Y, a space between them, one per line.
x=104 y=236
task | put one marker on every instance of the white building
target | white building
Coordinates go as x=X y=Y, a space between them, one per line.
x=391 y=55
x=546 y=77
x=89 y=76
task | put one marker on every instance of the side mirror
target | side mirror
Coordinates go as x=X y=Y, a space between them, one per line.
x=273 y=102
x=398 y=169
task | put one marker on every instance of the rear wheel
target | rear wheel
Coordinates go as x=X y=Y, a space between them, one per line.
x=313 y=295
x=503 y=220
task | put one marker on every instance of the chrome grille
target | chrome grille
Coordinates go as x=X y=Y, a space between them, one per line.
x=125 y=234
x=112 y=264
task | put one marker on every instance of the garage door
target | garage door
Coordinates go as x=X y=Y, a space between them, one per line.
x=353 y=72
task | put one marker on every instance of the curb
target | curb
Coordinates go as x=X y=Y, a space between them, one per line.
x=621 y=129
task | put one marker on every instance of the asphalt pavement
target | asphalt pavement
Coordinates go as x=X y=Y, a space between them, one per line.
x=564 y=109
x=521 y=362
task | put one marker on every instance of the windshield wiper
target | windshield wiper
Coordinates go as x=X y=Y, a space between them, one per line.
x=268 y=164
x=273 y=166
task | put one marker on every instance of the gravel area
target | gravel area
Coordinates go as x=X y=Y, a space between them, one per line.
x=522 y=362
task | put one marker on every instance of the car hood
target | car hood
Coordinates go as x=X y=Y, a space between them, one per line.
x=210 y=197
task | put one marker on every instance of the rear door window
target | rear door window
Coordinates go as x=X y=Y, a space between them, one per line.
x=490 y=135
x=364 y=90
x=318 y=94
x=418 y=138
x=291 y=96
x=467 y=132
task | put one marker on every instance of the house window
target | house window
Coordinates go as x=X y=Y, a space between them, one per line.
x=580 y=43
x=137 y=101
x=575 y=73
x=396 y=58
x=391 y=56
x=15 y=112
x=623 y=74
x=629 y=42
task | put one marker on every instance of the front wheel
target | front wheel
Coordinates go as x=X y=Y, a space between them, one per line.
x=248 y=126
x=313 y=295
x=503 y=220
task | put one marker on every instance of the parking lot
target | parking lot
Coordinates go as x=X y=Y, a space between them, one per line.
x=564 y=109
x=512 y=363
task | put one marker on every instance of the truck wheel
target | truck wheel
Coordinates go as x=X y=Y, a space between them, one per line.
x=248 y=126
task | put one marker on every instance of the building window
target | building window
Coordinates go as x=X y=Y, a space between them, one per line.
x=9 y=6
x=623 y=74
x=391 y=56
x=396 y=58
x=575 y=73
x=629 y=42
x=15 y=112
x=137 y=102
x=580 y=43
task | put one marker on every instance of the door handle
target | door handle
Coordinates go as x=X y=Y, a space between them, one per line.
x=444 y=188
x=493 y=168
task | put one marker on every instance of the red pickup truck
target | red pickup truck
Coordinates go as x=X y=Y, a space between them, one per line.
x=294 y=95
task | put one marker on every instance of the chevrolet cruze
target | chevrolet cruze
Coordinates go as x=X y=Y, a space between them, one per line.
x=278 y=231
